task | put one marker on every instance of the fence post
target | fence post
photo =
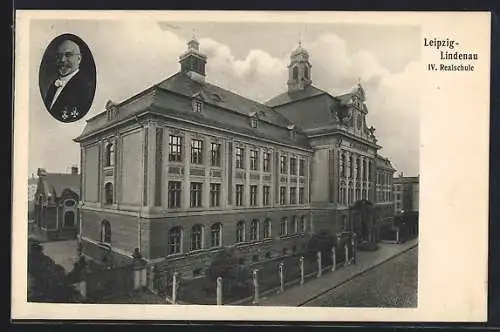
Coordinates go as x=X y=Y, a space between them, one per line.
x=255 y=286
x=353 y=245
x=346 y=250
x=151 y=277
x=397 y=236
x=301 y=270
x=334 y=259
x=282 y=277
x=219 y=291
x=320 y=270
x=174 y=288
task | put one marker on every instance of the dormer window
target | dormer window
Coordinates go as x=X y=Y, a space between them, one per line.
x=292 y=132
x=253 y=122
x=197 y=106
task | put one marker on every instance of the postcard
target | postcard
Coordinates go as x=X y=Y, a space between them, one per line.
x=251 y=166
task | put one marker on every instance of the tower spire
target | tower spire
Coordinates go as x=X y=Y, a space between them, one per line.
x=193 y=61
x=299 y=69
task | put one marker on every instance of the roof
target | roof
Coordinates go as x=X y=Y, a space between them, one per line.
x=227 y=110
x=290 y=97
x=58 y=182
x=382 y=161
x=406 y=179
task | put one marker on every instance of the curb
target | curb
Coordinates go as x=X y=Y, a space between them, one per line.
x=357 y=275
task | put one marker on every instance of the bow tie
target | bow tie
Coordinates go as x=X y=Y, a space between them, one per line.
x=58 y=83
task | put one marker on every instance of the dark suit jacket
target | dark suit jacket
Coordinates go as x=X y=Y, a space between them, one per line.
x=74 y=100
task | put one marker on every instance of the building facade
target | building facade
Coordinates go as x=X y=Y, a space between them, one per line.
x=406 y=194
x=56 y=198
x=186 y=168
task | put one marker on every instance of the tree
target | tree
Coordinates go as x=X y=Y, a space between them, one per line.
x=227 y=264
x=47 y=280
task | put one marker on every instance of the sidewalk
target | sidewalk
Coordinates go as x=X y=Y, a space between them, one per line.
x=299 y=295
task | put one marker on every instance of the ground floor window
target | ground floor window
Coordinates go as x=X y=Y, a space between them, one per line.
x=69 y=219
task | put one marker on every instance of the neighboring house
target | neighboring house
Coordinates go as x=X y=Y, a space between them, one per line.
x=56 y=205
x=32 y=184
x=186 y=168
x=406 y=194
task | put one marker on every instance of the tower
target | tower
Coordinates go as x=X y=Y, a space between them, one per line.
x=299 y=70
x=193 y=61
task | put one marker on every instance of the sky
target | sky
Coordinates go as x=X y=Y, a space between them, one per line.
x=248 y=58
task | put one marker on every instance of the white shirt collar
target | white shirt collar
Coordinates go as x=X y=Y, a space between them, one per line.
x=62 y=81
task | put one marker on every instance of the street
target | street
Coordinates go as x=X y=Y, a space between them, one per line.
x=392 y=284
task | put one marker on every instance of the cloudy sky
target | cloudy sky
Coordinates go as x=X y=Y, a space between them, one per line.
x=248 y=58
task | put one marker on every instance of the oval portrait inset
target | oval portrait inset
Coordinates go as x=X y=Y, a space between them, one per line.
x=67 y=78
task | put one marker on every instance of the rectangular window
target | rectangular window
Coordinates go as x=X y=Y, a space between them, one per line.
x=197 y=106
x=174 y=194
x=267 y=162
x=216 y=235
x=240 y=158
x=282 y=195
x=196 y=151
x=215 y=154
x=302 y=170
x=253 y=195
x=254 y=160
x=301 y=195
x=214 y=194
x=293 y=166
x=282 y=164
x=196 y=194
x=239 y=195
x=293 y=195
x=358 y=194
x=175 y=148
x=158 y=166
x=266 y=190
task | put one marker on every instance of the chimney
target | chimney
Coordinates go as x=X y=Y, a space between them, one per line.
x=41 y=172
x=74 y=170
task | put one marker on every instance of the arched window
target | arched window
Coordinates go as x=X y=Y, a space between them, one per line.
x=197 y=237
x=175 y=240
x=283 y=226
x=267 y=228
x=216 y=235
x=110 y=155
x=302 y=225
x=69 y=203
x=105 y=231
x=240 y=231
x=295 y=73
x=295 y=224
x=254 y=230
x=108 y=193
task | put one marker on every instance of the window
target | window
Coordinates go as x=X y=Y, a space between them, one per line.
x=253 y=195
x=255 y=258
x=254 y=160
x=351 y=164
x=293 y=195
x=69 y=219
x=110 y=155
x=282 y=195
x=358 y=193
x=253 y=122
x=266 y=195
x=282 y=164
x=283 y=227
x=215 y=154
x=293 y=166
x=239 y=195
x=295 y=73
x=302 y=170
x=267 y=162
x=398 y=196
x=302 y=224
x=214 y=194
x=197 y=237
x=174 y=194
x=301 y=195
x=345 y=224
x=342 y=169
x=197 y=106
x=69 y=203
x=364 y=170
x=175 y=240
x=295 y=225
x=175 y=148
x=196 y=151
x=358 y=169
x=105 y=231
x=196 y=194
x=216 y=233
x=254 y=230
x=267 y=228
x=108 y=193
x=240 y=158
x=240 y=231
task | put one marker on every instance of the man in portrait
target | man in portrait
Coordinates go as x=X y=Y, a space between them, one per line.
x=70 y=95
